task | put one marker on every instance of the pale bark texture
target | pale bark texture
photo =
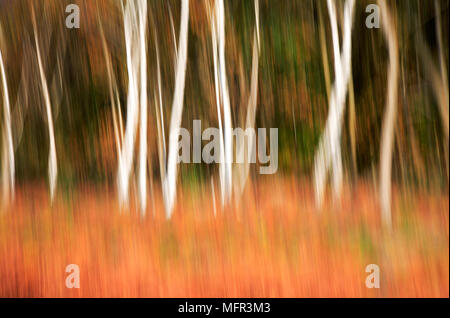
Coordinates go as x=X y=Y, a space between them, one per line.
x=390 y=115
x=135 y=24
x=243 y=169
x=328 y=155
x=52 y=161
x=7 y=141
x=170 y=181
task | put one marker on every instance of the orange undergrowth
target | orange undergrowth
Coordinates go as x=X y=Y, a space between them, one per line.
x=273 y=243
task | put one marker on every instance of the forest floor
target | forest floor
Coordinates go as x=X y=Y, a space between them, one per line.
x=273 y=243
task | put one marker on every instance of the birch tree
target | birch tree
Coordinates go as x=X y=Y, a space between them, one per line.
x=135 y=24
x=52 y=161
x=53 y=93
x=143 y=107
x=7 y=141
x=169 y=169
x=328 y=155
x=217 y=88
x=390 y=114
x=243 y=169
x=222 y=100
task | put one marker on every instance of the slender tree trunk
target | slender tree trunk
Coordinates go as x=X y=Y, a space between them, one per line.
x=387 y=136
x=143 y=107
x=7 y=148
x=127 y=150
x=218 y=103
x=352 y=123
x=162 y=152
x=328 y=155
x=135 y=24
x=52 y=161
x=251 y=112
x=169 y=186
x=228 y=145
x=222 y=100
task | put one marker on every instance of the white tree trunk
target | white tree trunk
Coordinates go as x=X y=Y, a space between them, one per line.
x=218 y=103
x=169 y=185
x=243 y=170
x=220 y=14
x=52 y=161
x=162 y=152
x=135 y=23
x=223 y=100
x=127 y=149
x=328 y=155
x=143 y=107
x=387 y=135
x=7 y=147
